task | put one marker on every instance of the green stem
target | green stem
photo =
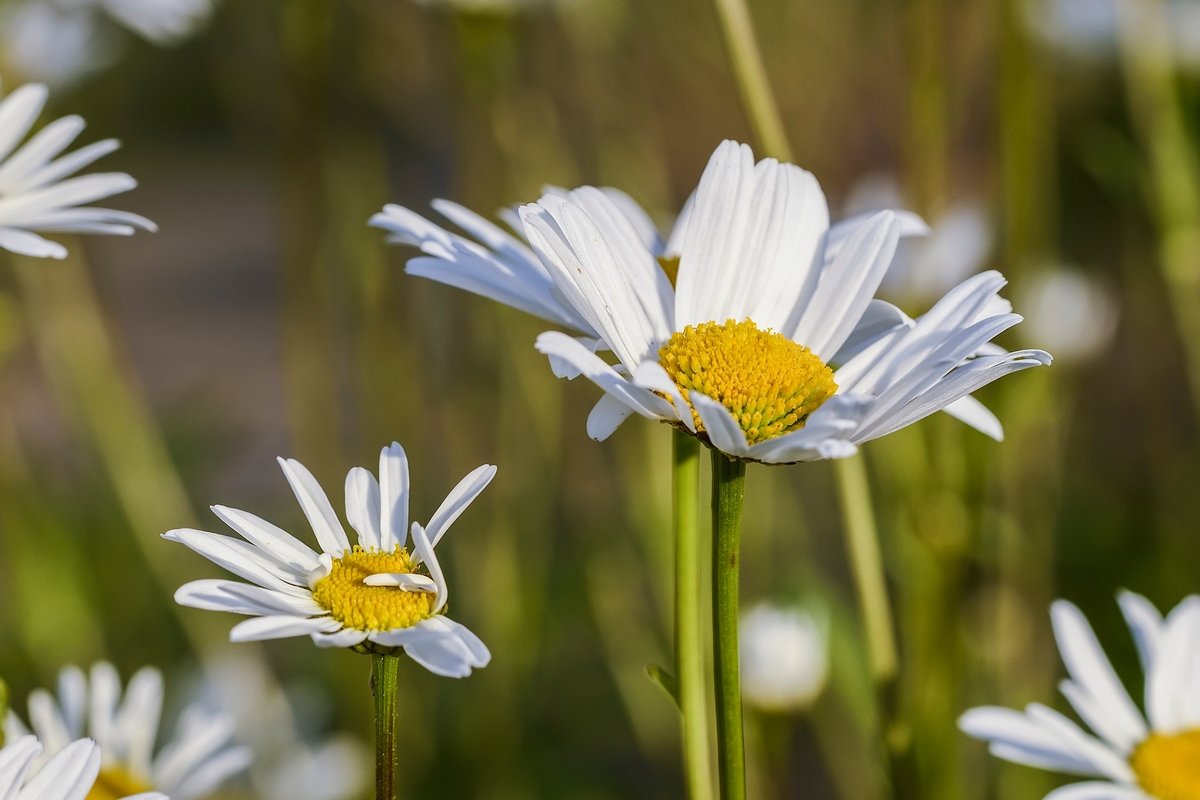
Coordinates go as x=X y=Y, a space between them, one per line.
x=689 y=645
x=385 y=686
x=751 y=77
x=728 y=494
x=870 y=582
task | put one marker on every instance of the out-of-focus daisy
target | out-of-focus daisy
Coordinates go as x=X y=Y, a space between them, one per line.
x=1071 y=313
x=193 y=764
x=1090 y=29
x=68 y=775
x=281 y=726
x=753 y=326
x=59 y=41
x=37 y=190
x=1135 y=756
x=784 y=657
x=375 y=596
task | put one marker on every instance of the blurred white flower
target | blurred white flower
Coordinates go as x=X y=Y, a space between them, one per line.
x=68 y=775
x=1133 y=755
x=125 y=725
x=287 y=764
x=1069 y=312
x=1088 y=28
x=37 y=192
x=373 y=596
x=784 y=657
x=59 y=41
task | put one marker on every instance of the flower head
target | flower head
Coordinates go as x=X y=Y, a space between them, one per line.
x=752 y=326
x=376 y=595
x=37 y=192
x=784 y=657
x=125 y=726
x=1134 y=756
x=66 y=775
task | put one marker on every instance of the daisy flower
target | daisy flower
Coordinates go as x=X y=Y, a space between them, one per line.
x=784 y=657
x=1134 y=756
x=37 y=192
x=68 y=775
x=125 y=726
x=753 y=326
x=375 y=596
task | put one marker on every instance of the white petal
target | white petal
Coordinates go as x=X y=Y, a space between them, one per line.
x=408 y=581
x=242 y=598
x=651 y=375
x=138 y=719
x=30 y=244
x=1015 y=737
x=18 y=112
x=606 y=416
x=461 y=496
x=281 y=627
x=722 y=429
x=975 y=414
x=591 y=366
x=269 y=538
x=599 y=275
x=1145 y=623
x=362 y=506
x=845 y=288
x=240 y=558
x=347 y=637
x=330 y=534
x=393 y=483
x=427 y=555
x=1091 y=671
x=1097 y=790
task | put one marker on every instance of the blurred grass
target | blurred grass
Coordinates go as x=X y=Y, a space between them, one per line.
x=266 y=318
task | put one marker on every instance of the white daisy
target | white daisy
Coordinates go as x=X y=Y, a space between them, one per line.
x=1070 y=311
x=784 y=657
x=36 y=190
x=734 y=326
x=193 y=764
x=374 y=596
x=60 y=41
x=1135 y=756
x=68 y=775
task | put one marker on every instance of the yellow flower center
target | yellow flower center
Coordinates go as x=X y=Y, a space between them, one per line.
x=114 y=782
x=1168 y=766
x=372 y=608
x=768 y=382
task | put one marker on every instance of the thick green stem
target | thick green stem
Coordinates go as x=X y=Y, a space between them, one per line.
x=385 y=686
x=689 y=645
x=862 y=544
x=751 y=76
x=728 y=494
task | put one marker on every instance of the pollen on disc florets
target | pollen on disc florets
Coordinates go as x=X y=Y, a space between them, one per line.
x=114 y=782
x=372 y=608
x=768 y=382
x=1168 y=765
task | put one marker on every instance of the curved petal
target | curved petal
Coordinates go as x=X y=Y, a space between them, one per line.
x=362 y=506
x=722 y=429
x=1095 y=678
x=846 y=287
x=592 y=367
x=315 y=504
x=281 y=626
x=461 y=496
